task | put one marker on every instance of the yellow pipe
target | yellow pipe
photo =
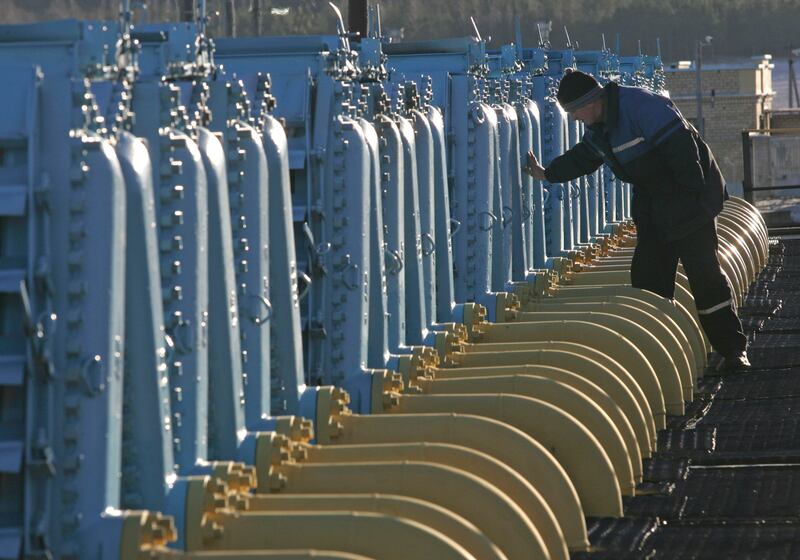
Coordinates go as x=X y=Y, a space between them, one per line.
x=615 y=434
x=146 y=534
x=753 y=226
x=740 y=244
x=745 y=226
x=602 y=266
x=675 y=341
x=737 y=235
x=610 y=342
x=487 y=468
x=259 y=554
x=622 y=251
x=758 y=226
x=388 y=537
x=676 y=308
x=578 y=451
x=553 y=359
x=600 y=278
x=675 y=316
x=624 y=277
x=426 y=513
x=651 y=341
x=732 y=268
x=728 y=263
x=505 y=443
x=683 y=300
x=209 y=524
x=477 y=501
x=746 y=213
x=618 y=255
x=519 y=354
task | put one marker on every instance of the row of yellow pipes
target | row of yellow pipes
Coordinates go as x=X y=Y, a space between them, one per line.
x=494 y=447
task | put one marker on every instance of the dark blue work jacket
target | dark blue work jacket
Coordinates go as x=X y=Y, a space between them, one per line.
x=644 y=139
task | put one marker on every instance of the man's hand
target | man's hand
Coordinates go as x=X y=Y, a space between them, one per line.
x=533 y=168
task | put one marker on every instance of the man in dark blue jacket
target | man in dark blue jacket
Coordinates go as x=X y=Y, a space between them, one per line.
x=678 y=190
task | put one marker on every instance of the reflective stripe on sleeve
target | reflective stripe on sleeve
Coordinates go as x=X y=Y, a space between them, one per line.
x=627 y=145
x=717 y=307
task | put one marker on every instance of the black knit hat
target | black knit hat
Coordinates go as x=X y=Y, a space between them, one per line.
x=577 y=89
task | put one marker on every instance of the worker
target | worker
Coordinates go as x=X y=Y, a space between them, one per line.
x=678 y=190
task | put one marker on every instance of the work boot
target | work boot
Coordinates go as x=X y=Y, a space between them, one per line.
x=737 y=362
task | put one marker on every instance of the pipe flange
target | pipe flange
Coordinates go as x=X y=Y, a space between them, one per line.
x=296 y=428
x=145 y=532
x=386 y=388
x=239 y=477
x=474 y=319
x=331 y=407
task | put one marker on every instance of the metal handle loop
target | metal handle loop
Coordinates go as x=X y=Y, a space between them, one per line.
x=431 y=244
x=508 y=215
x=455 y=225
x=264 y=304
x=94 y=384
x=396 y=265
x=491 y=221
x=301 y=293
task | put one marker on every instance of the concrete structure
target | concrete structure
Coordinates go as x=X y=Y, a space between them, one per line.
x=736 y=96
x=782 y=118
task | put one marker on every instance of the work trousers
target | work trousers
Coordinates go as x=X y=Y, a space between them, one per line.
x=655 y=264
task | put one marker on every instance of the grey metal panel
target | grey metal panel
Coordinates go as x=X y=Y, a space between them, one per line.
x=10 y=458
x=12 y=369
x=10 y=543
x=297 y=159
x=10 y=279
x=13 y=200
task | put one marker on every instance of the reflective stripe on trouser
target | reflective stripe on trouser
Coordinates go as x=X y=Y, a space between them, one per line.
x=654 y=266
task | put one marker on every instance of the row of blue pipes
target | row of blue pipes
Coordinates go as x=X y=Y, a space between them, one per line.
x=204 y=232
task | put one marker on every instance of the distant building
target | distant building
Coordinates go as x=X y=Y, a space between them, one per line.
x=736 y=96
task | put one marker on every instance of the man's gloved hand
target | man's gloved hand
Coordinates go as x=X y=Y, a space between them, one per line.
x=533 y=167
